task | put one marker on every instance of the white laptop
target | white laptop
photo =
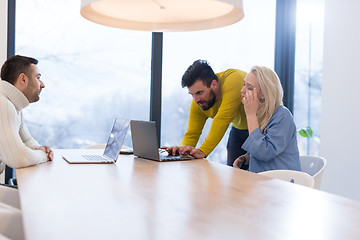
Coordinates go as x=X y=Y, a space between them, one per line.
x=145 y=142
x=112 y=149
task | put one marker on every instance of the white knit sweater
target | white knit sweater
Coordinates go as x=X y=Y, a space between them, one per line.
x=16 y=144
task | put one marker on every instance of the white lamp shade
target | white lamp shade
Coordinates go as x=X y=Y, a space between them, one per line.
x=163 y=15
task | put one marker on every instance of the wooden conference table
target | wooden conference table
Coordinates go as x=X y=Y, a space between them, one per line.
x=143 y=199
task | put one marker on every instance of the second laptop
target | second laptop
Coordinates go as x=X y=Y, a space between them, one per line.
x=145 y=142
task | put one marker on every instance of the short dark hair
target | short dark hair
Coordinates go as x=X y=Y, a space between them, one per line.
x=14 y=66
x=199 y=70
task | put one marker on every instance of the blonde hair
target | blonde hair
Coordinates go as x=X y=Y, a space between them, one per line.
x=272 y=91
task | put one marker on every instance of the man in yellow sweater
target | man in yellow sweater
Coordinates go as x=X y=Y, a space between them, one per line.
x=216 y=96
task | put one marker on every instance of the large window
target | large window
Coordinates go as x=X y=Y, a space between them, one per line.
x=241 y=45
x=95 y=73
x=308 y=71
x=92 y=73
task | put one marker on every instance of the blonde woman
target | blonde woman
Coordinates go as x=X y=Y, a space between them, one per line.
x=272 y=142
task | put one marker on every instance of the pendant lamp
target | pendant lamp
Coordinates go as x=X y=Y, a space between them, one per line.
x=163 y=15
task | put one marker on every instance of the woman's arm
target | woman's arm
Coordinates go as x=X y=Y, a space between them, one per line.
x=279 y=132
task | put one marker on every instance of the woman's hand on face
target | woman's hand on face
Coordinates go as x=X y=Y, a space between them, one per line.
x=251 y=102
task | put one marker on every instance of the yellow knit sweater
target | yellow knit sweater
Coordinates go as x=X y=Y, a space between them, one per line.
x=227 y=109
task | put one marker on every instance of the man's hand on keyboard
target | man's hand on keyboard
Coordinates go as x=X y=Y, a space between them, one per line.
x=196 y=153
x=176 y=150
x=173 y=151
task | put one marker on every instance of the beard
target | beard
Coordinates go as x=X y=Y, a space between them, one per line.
x=32 y=93
x=209 y=103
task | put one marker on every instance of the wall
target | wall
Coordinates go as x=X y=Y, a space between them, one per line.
x=340 y=142
x=3 y=31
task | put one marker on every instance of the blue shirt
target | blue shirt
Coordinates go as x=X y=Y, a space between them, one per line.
x=277 y=148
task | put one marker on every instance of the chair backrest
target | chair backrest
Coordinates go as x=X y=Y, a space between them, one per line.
x=10 y=196
x=292 y=176
x=314 y=166
x=11 y=226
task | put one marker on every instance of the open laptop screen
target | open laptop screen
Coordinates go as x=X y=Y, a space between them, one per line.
x=116 y=138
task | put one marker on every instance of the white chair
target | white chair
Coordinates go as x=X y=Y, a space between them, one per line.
x=11 y=226
x=10 y=196
x=292 y=176
x=2 y=237
x=314 y=166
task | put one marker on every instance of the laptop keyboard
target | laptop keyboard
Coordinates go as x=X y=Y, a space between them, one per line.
x=96 y=158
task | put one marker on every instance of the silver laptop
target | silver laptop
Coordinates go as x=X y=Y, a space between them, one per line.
x=112 y=149
x=145 y=142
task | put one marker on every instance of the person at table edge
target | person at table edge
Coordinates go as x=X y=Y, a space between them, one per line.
x=20 y=85
x=272 y=141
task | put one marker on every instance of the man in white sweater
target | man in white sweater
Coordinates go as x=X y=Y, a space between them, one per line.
x=20 y=85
